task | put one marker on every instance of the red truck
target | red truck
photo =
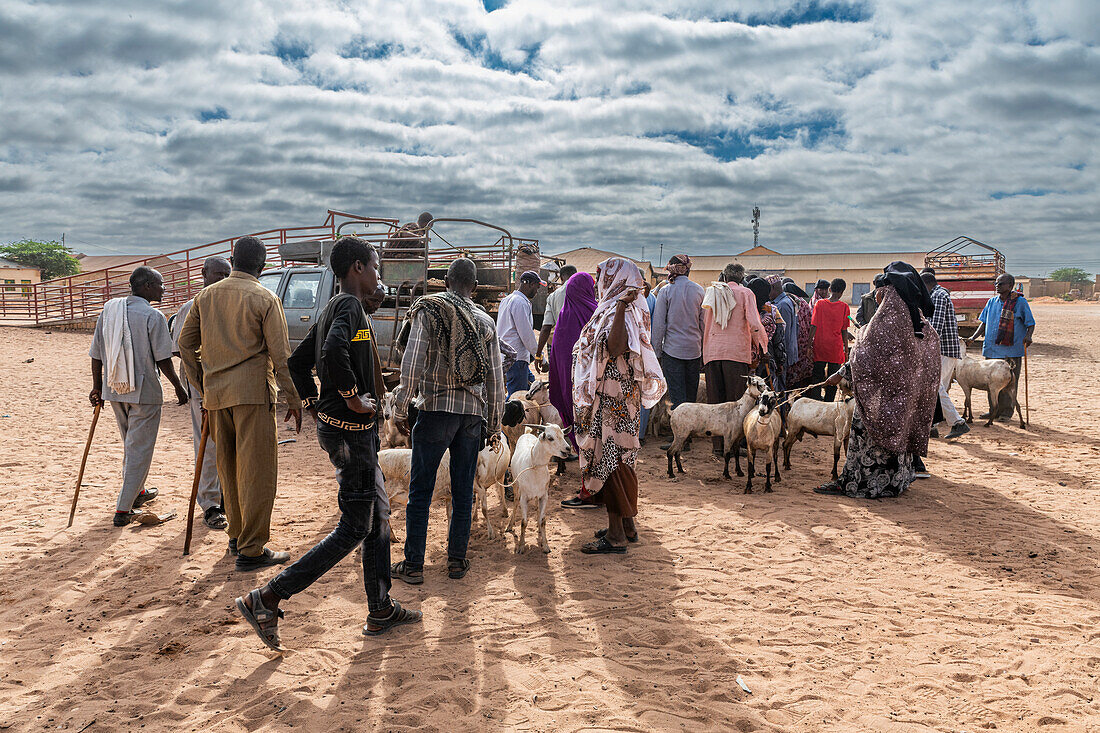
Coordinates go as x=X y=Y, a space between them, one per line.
x=968 y=269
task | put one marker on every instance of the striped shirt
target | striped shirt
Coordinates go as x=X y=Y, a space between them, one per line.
x=428 y=378
x=943 y=320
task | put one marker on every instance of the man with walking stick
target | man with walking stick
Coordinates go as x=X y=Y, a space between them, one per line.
x=1008 y=326
x=241 y=328
x=214 y=269
x=130 y=344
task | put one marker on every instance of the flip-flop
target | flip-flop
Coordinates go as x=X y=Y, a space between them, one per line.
x=151 y=518
x=399 y=617
x=601 y=533
x=602 y=547
x=259 y=614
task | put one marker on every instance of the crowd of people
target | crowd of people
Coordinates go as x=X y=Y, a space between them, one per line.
x=615 y=348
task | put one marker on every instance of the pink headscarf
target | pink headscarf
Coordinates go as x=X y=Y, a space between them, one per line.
x=614 y=277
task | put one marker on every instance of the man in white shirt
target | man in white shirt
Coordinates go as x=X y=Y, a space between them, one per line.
x=214 y=269
x=516 y=327
x=554 y=303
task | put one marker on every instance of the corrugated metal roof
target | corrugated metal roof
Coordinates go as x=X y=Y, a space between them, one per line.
x=12 y=265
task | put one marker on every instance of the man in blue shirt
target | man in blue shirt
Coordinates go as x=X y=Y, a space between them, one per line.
x=678 y=331
x=1006 y=336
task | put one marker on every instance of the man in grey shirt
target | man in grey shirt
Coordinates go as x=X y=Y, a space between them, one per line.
x=138 y=411
x=214 y=269
x=678 y=331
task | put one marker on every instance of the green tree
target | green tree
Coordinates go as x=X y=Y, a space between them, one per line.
x=1072 y=275
x=52 y=258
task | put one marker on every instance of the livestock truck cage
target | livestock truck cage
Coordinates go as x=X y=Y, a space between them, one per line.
x=968 y=269
x=414 y=267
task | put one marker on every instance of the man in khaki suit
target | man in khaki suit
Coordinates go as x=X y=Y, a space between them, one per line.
x=240 y=328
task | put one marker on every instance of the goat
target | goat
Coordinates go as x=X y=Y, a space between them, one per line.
x=816 y=418
x=992 y=375
x=692 y=419
x=531 y=477
x=763 y=427
x=388 y=433
x=492 y=463
x=539 y=393
x=492 y=466
x=659 y=417
x=530 y=416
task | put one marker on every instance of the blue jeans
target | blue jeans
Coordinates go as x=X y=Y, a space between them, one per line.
x=364 y=519
x=645 y=422
x=682 y=376
x=434 y=434
x=517 y=378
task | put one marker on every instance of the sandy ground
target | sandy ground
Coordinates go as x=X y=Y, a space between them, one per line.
x=970 y=603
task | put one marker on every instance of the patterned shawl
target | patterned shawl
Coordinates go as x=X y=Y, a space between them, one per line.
x=613 y=277
x=458 y=331
x=678 y=266
x=896 y=377
x=1006 y=327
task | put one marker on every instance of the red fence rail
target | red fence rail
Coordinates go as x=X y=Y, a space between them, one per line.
x=81 y=297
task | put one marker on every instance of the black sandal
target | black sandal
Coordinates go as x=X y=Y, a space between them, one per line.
x=602 y=547
x=601 y=533
x=259 y=614
x=830 y=489
x=399 y=617
x=456 y=568
x=401 y=570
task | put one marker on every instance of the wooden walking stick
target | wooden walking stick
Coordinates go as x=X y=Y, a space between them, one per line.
x=84 y=461
x=205 y=433
x=1027 y=402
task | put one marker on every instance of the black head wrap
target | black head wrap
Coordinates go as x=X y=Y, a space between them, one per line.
x=910 y=287
x=762 y=289
x=795 y=290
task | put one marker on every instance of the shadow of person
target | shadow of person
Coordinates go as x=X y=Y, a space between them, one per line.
x=976 y=525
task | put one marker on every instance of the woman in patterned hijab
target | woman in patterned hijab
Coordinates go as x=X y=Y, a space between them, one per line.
x=615 y=374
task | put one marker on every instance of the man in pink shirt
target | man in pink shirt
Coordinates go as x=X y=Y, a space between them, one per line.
x=731 y=327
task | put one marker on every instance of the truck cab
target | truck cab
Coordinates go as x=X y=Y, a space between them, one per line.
x=968 y=270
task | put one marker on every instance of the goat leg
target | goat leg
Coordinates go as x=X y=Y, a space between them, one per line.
x=726 y=470
x=994 y=396
x=748 y=482
x=670 y=473
x=775 y=458
x=679 y=466
x=768 y=477
x=737 y=457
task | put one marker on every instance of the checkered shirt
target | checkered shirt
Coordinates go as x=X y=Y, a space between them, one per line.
x=943 y=320
x=428 y=380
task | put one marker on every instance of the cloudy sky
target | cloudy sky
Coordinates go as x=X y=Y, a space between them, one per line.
x=148 y=126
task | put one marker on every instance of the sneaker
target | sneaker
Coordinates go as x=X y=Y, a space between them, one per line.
x=214 y=518
x=960 y=428
x=123 y=518
x=146 y=496
x=578 y=503
x=265 y=559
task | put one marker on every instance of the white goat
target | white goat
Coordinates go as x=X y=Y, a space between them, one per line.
x=816 y=418
x=531 y=477
x=388 y=433
x=763 y=428
x=693 y=420
x=492 y=466
x=992 y=375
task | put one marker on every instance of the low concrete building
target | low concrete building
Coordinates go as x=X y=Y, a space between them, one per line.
x=15 y=277
x=585 y=259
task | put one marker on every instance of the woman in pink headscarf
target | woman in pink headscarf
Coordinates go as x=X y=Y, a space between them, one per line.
x=580 y=302
x=615 y=374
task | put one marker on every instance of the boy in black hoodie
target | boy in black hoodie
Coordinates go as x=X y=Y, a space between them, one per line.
x=341 y=347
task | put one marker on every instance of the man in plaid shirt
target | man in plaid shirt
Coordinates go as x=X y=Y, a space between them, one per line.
x=943 y=320
x=455 y=414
